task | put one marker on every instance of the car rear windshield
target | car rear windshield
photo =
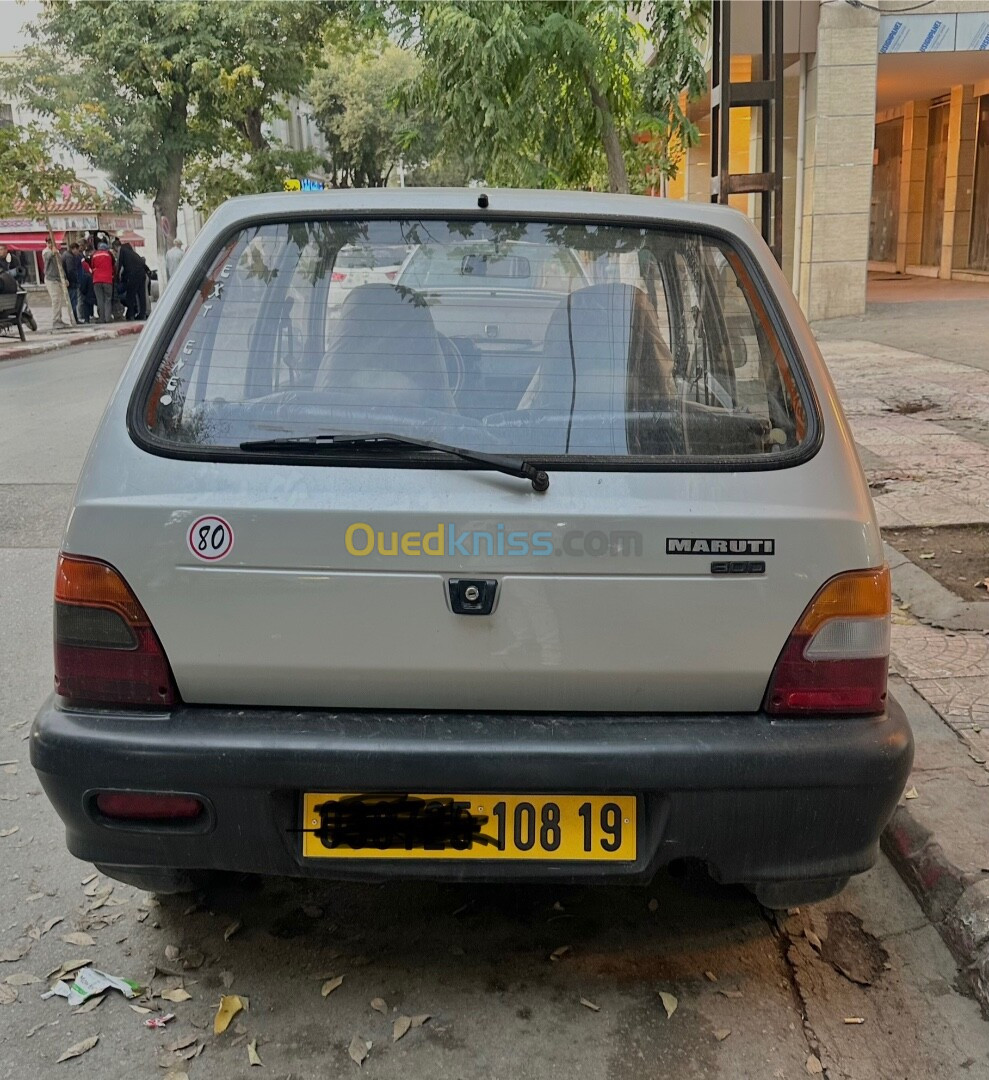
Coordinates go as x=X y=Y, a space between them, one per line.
x=553 y=340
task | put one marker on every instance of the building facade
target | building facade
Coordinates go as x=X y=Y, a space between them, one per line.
x=886 y=143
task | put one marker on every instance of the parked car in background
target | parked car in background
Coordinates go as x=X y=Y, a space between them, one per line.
x=494 y=570
x=358 y=264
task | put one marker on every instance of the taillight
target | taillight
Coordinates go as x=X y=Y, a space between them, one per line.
x=391 y=274
x=835 y=660
x=106 y=650
x=337 y=276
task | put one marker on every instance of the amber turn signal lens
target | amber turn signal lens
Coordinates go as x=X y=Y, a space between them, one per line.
x=86 y=583
x=861 y=594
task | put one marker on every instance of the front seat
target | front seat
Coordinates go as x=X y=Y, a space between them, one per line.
x=604 y=358
x=385 y=353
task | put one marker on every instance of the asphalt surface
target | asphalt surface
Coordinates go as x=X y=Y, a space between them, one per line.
x=754 y=996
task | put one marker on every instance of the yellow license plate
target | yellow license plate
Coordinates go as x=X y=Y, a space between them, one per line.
x=594 y=828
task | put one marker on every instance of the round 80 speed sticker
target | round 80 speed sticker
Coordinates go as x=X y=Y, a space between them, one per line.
x=210 y=538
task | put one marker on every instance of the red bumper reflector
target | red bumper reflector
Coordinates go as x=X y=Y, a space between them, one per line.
x=141 y=806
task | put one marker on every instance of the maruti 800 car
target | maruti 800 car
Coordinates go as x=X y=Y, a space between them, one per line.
x=555 y=564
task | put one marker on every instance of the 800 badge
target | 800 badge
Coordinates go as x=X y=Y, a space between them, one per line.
x=210 y=538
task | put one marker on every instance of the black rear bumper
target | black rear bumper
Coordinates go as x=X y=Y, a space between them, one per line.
x=758 y=800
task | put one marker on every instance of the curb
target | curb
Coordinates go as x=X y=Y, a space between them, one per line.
x=929 y=600
x=955 y=900
x=957 y=906
x=26 y=349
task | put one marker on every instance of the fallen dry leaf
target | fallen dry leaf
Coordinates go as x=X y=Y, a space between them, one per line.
x=854 y=1019
x=558 y=954
x=140 y=1010
x=10 y=831
x=51 y=923
x=252 y=1053
x=227 y=978
x=77 y=937
x=230 y=1005
x=710 y=976
x=912 y=794
x=669 y=1003
x=8 y=994
x=14 y=953
x=91 y=1004
x=400 y=1027
x=813 y=939
x=80 y=1048
x=730 y=993
x=814 y=1066
x=422 y=1018
x=330 y=985
x=87 y=880
x=172 y=952
x=357 y=1050
x=21 y=978
x=68 y=967
x=231 y=930
x=590 y=1005
x=181 y=1044
x=722 y=1033
x=378 y=1004
x=176 y=995
x=927 y=555
x=983 y=584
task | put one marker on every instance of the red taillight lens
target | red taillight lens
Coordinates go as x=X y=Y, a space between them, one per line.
x=391 y=274
x=141 y=806
x=106 y=650
x=836 y=658
x=337 y=276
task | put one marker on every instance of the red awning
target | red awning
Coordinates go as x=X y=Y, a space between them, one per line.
x=128 y=236
x=28 y=241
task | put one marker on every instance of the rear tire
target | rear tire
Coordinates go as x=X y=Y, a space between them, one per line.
x=787 y=894
x=31 y=321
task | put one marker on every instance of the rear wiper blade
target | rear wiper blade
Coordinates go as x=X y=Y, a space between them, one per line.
x=511 y=465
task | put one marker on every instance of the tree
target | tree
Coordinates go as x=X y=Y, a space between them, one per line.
x=141 y=89
x=539 y=91
x=33 y=180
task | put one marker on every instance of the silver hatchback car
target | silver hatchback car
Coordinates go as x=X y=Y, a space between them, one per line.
x=551 y=559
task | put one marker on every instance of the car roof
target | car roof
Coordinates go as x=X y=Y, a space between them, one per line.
x=501 y=201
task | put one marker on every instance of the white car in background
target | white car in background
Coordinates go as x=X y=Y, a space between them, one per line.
x=505 y=572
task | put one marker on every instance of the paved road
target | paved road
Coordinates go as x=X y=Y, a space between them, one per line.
x=476 y=960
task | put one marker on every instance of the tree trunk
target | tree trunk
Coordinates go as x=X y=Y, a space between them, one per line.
x=617 y=175
x=252 y=130
x=166 y=199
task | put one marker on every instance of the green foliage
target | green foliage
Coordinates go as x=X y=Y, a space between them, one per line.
x=140 y=89
x=362 y=106
x=547 y=92
x=32 y=178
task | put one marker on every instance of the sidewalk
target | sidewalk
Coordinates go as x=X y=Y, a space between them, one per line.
x=922 y=428
x=43 y=340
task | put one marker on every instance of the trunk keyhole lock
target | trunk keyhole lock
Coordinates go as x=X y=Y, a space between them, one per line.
x=472 y=597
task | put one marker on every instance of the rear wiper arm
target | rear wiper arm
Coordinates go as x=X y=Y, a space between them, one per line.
x=509 y=464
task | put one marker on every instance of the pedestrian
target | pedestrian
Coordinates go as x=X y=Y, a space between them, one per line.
x=173 y=257
x=87 y=294
x=134 y=277
x=54 y=286
x=13 y=262
x=103 y=275
x=70 y=263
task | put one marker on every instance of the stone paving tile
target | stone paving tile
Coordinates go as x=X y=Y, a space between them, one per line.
x=931 y=474
x=926 y=652
x=959 y=701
